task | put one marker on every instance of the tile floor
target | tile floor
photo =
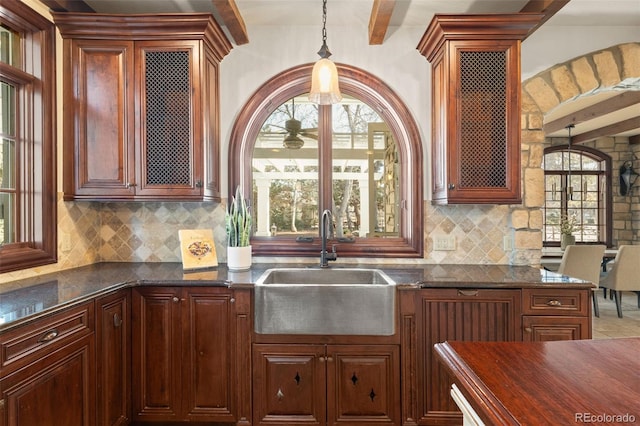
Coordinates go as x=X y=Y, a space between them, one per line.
x=609 y=325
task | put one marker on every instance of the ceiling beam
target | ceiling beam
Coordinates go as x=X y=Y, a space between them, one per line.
x=547 y=7
x=612 y=129
x=232 y=19
x=623 y=100
x=68 y=6
x=379 y=20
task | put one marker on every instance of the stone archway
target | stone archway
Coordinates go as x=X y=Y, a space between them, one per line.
x=599 y=70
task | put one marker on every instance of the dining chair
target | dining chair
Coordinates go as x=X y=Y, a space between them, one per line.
x=584 y=262
x=623 y=275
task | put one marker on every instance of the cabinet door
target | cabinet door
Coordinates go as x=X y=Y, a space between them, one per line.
x=57 y=390
x=363 y=384
x=98 y=120
x=113 y=365
x=157 y=354
x=464 y=315
x=169 y=123
x=289 y=385
x=548 y=328
x=208 y=364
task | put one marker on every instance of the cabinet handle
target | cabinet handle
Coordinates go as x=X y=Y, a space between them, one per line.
x=329 y=359
x=232 y=300
x=49 y=336
x=130 y=185
x=528 y=329
x=322 y=359
x=280 y=395
x=117 y=321
x=467 y=292
x=554 y=303
x=198 y=184
x=175 y=299
x=451 y=186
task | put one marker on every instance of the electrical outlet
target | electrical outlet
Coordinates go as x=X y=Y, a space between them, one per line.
x=507 y=243
x=444 y=243
x=65 y=242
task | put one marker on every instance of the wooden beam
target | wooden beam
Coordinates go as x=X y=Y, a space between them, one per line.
x=379 y=20
x=622 y=126
x=232 y=19
x=68 y=6
x=546 y=7
x=623 y=100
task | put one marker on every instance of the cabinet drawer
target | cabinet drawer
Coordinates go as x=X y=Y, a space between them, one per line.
x=30 y=342
x=555 y=302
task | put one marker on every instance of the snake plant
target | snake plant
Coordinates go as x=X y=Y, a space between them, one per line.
x=238 y=221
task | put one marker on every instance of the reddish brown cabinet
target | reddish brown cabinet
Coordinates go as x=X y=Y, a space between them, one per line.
x=141 y=106
x=556 y=314
x=47 y=377
x=476 y=106
x=189 y=351
x=113 y=362
x=326 y=384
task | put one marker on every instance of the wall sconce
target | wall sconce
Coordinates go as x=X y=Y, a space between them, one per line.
x=628 y=178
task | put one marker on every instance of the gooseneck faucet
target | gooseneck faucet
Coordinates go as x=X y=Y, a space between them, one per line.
x=326 y=222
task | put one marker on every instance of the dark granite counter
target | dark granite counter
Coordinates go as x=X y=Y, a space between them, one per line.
x=22 y=300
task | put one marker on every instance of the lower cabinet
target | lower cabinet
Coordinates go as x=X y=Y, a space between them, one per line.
x=47 y=376
x=556 y=314
x=186 y=365
x=311 y=384
x=113 y=351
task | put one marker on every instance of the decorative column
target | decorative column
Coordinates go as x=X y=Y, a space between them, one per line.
x=263 y=218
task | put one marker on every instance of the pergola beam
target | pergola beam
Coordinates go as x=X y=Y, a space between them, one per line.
x=547 y=7
x=232 y=19
x=379 y=20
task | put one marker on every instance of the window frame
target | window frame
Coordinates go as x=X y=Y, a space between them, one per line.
x=36 y=224
x=370 y=90
x=594 y=154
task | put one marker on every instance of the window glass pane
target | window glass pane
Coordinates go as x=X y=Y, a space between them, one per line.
x=7 y=165
x=364 y=173
x=9 y=46
x=7 y=218
x=553 y=161
x=7 y=109
x=285 y=171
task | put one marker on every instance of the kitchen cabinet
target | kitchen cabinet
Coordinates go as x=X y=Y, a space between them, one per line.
x=141 y=106
x=326 y=384
x=475 y=98
x=554 y=314
x=113 y=344
x=434 y=315
x=47 y=376
x=190 y=354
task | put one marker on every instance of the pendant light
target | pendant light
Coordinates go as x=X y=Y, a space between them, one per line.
x=324 y=78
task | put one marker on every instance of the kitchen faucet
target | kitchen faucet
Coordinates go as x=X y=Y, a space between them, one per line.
x=326 y=222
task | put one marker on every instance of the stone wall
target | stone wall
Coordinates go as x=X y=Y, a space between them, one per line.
x=604 y=70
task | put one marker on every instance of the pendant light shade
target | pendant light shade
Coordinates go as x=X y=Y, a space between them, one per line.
x=324 y=78
x=324 y=83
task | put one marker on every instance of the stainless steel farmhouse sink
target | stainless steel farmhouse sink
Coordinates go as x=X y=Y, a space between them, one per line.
x=344 y=301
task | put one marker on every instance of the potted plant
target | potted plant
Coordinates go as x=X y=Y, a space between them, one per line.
x=238 y=226
x=568 y=225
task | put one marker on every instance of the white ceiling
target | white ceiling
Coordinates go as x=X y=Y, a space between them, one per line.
x=413 y=13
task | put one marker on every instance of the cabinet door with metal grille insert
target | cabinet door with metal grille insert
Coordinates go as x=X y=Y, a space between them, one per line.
x=168 y=105
x=487 y=124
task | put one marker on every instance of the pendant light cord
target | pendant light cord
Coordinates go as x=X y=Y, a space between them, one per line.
x=324 y=50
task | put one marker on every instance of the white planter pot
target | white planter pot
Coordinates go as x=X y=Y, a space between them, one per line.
x=567 y=240
x=239 y=258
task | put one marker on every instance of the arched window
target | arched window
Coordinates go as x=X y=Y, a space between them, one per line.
x=361 y=159
x=577 y=185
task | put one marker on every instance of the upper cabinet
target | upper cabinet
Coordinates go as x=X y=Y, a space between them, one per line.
x=476 y=106
x=141 y=106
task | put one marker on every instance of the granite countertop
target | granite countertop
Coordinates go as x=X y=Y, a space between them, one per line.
x=25 y=299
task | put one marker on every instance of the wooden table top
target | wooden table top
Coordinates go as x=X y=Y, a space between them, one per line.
x=548 y=383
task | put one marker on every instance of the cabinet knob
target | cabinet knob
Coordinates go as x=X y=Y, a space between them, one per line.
x=232 y=300
x=117 y=321
x=175 y=299
x=49 y=336
x=279 y=395
x=130 y=185
x=451 y=186
x=528 y=329
x=198 y=184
